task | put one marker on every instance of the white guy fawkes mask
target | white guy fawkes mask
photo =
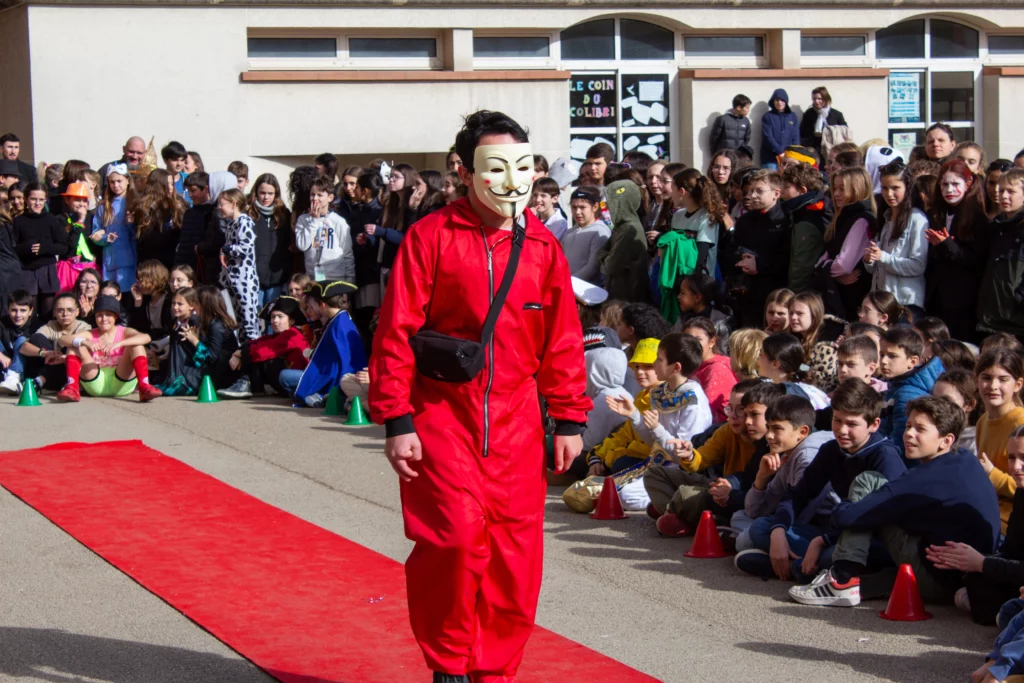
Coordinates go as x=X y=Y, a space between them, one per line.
x=503 y=177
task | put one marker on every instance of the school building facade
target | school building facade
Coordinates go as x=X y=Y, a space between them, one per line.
x=275 y=82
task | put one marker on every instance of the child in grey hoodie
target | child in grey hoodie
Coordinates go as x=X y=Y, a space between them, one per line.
x=582 y=242
x=606 y=372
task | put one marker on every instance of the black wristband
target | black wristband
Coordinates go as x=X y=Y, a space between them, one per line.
x=399 y=426
x=566 y=428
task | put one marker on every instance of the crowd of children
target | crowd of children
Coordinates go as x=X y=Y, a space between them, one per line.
x=826 y=353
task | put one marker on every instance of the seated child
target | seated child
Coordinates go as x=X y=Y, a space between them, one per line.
x=782 y=361
x=109 y=360
x=357 y=385
x=994 y=579
x=606 y=372
x=623 y=448
x=43 y=355
x=908 y=379
x=946 y=498
x=745 y=353
x=858 y=447
x=679 y=408
x=697 y=294
x=858 y=358
x=1006 y=661
x=958 y=386
x=792 y=446
x=15 y=329
x=714 y=374
x=709 y=477
x=339 y=352
x=200 y=343
x=262 y=360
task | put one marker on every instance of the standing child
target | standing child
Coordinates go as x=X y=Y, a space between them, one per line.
x=272 y=220
x=545 y=204
x=238 y=257
x=882 y=309
x=1001 y=297
x=40 y=241
x=113 y=227
x=110 y=360
x=697 y=294
x=1000 y=374
x=584 y=239
x=700 y=216
x=324 y=237
x=780 y=128
x=908 y=379
x=76 y=218
x=846 y=239
x=624 y=255
x=454 y=189
x=897 y=260
x=732 y=129
x=804 y=204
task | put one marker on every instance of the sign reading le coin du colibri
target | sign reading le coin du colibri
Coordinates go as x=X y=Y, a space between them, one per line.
x=592 y=101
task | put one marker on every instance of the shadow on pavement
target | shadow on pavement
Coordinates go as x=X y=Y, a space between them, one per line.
x=54 y=655
x=939 y=665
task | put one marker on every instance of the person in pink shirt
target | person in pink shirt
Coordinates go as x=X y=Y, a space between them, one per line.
x=850 y=233
x=715 y=374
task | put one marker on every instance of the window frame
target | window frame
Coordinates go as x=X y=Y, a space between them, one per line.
x=735 y=61
x=294 y=63
x=343 y=60
x=1012 y=59
x=838 y=60
x=492 y=63
x=427 y=63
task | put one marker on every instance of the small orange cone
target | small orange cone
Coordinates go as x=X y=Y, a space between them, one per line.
x=608 y=504
x=707 y=544
x=905 y=600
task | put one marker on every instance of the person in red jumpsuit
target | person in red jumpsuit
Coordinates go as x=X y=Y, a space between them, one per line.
x=470 y=455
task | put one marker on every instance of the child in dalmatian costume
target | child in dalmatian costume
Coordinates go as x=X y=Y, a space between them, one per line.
x=238 y=256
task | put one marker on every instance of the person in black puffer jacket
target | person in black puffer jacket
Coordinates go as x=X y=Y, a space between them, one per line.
x=195 y=222
x=273 y=236
x=39 y=240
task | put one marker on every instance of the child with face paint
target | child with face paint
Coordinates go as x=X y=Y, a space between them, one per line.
x=474 y=575
x=958 y=240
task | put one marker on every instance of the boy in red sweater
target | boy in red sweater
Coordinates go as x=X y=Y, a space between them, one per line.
x=262 y=360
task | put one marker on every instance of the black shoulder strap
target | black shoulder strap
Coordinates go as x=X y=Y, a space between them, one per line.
x=518 y=237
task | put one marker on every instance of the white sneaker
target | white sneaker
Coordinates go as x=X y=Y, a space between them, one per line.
x=961 y=600
x=11 y=384
x=825 y=591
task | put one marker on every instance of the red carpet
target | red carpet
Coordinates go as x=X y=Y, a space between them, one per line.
x=300 y=602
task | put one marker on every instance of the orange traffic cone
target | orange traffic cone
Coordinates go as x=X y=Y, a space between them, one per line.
x=707 y=544
x=608 y=504
x=905 y=600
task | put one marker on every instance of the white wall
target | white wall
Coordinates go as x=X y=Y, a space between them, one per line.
x=861 y=100
x=1008 y=96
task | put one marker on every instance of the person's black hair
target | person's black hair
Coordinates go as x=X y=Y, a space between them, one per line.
x=683 y=349
x=954 y=354
x=744 y=386
x=1018 y=155
x=199 y=178
x=110 y=284
x=339 y=301
x=20 y=297
x=482 y=123
x=787 y=351
x=173 y=150
x=796 y=410
x=645 y=320
x=547 y=186
x=905 y=338
x=944 y=127
x=765 y=393
x=861 y=346
x=931 y=328
x=708 y=327
x=857 y=397
x=541 y=163
x=368 y=180
x=948 y=417
x=859 y=329
x=601 y=150
x=587 y=193
x=901 y=212
x=1001 y=165
x=638 y=161
x=65 y=295
x=8 y=137
x=299 y=183
x=965 y=383
x=740 y=101
x=34 y=187
x=433 y=179
x=329 y=162
x=702 y=284
x=745 y=152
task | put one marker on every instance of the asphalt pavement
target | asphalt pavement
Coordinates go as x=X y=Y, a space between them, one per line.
x=617 y=587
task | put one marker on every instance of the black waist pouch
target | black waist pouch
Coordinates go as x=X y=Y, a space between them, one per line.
x=445 y=358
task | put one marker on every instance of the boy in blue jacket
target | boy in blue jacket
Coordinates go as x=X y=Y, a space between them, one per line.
x=908 y=379
x=780 y=128
x=857 y=448
x=338 y=353
x=947 y=497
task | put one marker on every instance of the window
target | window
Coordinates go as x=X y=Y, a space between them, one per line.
x=511 y=46
x=392 y=48
x=953 y=41
x=631 y=112
x=901 y=41
x=592 y=40
x=833 y=46
x=292 y=48
x=723 y=46
x=641 y=40
x=1005 y=45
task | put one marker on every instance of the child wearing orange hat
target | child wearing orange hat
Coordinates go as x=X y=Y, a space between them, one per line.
x=75 y=218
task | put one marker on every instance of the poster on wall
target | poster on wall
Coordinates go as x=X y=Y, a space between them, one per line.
x=580 y=143
x=592 y=101
x=905 y=97
x=644 y=100
x=654 y=145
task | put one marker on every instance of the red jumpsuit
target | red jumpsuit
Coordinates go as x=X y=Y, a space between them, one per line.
x=476 y=510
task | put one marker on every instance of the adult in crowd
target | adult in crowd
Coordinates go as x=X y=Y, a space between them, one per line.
x=10 y=149
x=132 y=154
x=939 y=142
x=820 y=115
x=470 y=452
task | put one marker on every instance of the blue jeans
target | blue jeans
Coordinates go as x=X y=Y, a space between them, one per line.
x=17 y=362
x=770 y=166
x=289 y=380
x=269 y=294
x=798 y=535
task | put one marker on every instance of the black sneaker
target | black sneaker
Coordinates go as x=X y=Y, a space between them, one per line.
x=240 y=389
x=756 y=562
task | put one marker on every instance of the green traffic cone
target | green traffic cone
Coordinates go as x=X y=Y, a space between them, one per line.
x=335 y=402
x=356 y=414
x=207 y=394
x=28 y=396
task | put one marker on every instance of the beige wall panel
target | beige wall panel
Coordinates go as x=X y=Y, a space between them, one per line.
x=15 y=85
